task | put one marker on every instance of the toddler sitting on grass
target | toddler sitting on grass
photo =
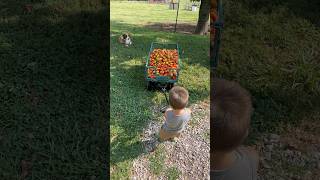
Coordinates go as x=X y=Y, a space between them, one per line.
x=177 y=116
x=230 y=122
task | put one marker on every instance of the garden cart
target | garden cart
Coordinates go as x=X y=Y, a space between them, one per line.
x=162 y=79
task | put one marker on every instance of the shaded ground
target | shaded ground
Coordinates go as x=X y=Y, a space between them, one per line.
x=53 y=89
x=291 y=155
x=189 y=155
x=184 y=28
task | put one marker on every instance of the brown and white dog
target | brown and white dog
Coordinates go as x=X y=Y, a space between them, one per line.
x=125 y=39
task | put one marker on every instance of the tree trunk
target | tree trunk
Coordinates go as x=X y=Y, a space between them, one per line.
x=203 y=20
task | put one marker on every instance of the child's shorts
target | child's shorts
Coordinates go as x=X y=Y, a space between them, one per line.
x=164 y=135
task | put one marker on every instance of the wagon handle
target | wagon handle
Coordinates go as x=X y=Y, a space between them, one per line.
x=163 y=109
x=165 y=94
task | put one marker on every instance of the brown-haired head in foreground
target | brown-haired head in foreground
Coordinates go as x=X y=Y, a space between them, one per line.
x=231 y=116
x=178 y=97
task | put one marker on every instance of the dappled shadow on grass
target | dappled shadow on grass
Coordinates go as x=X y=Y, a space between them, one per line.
x=54 y=92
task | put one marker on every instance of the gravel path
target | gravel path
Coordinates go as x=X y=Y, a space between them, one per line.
x=190 y=154
x=294 y=155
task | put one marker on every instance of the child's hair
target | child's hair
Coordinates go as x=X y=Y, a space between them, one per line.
x=178 y=97
x=231 y=116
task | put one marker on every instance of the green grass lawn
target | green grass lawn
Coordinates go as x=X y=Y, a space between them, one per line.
x=140 y=13
x=53 y=83
x=272 y=49
x=131 y=103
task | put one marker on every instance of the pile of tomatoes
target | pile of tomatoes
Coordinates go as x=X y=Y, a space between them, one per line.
x=165 y=63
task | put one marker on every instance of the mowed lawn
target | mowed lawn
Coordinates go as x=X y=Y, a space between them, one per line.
x=132 y=106
x=53 y=89
x=272 y=49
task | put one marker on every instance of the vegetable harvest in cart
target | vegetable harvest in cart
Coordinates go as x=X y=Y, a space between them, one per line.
x=164 y=62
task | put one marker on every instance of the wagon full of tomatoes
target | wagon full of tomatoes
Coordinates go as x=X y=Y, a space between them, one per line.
x=163 y=65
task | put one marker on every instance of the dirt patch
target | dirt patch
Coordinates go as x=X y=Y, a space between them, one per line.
x=184 y=28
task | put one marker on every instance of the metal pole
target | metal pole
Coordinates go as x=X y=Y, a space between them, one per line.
x=175 y=26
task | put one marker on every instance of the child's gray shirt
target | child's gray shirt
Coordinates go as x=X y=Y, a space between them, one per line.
x=244 y=168
x=176 y=123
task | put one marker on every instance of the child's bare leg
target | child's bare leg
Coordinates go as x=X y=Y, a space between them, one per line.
x=178 y=135
x=175 y=136
x=164 y=135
